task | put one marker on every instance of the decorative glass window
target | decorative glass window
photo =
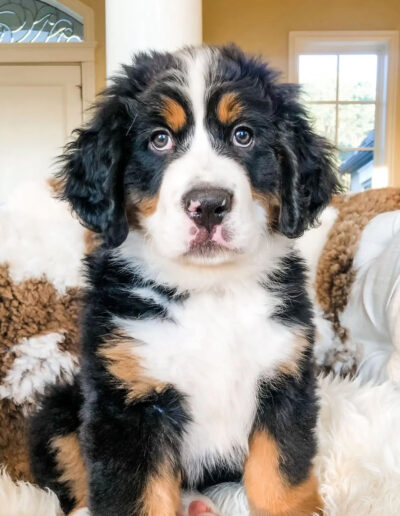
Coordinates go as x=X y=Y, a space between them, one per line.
x=37 y=21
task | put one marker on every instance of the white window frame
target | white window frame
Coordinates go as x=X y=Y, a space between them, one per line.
x=386 y=45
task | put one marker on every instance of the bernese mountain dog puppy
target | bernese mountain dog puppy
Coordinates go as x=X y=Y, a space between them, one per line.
x=198 y=169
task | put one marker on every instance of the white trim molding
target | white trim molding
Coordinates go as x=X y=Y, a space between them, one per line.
x=386 y=45
x=79 y=53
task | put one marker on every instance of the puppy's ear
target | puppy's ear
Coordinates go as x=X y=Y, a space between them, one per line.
x=307 y=161
x=92 y=173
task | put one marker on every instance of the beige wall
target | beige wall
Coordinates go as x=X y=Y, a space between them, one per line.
x=263 y=26
x=98 y=7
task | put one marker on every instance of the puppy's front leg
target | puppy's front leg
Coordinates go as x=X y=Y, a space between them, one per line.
x=278 y=477
x=132 y=450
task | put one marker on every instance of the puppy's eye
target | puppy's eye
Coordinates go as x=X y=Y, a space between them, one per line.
x=161 y=141
x=242 y=137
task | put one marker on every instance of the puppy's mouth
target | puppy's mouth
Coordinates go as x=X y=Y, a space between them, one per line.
x=209 y=242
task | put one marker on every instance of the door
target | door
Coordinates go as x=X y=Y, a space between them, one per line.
x=39 y=107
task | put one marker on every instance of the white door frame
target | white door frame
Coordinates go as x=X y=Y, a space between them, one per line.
x=61 y=53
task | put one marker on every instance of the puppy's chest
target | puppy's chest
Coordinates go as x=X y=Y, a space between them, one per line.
x=209 y=340
x=214 y=348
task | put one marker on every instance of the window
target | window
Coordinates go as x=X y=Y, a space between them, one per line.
x=37 y=21
x=345 y=88
x=340 y=91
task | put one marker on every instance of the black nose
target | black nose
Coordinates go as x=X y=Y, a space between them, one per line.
x=207 y=206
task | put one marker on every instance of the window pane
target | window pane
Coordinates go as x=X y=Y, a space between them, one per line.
x=317 y=75
x=34 y=21
x=356 y=122
x=357 y=169
x=323 y=117
x=357 y=77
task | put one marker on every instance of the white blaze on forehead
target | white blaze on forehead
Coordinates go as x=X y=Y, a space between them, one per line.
x=199 y=65
x=203 y=164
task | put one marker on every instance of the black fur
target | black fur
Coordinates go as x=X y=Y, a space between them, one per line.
x=124 y=445
x=288 y=412
x=288 y=409
x=288 y=282
x=107 y=167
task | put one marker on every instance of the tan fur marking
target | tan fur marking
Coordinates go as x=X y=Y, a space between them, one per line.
x=72 y=467
x=91 y=241
x=148 y=206
x=162 y=494
x=268 y=493
x=335 y=273
x=229 y=108
x=174 y=114
x=272 y=206
x=140 y=207
x=126 y=368
x=292 y=366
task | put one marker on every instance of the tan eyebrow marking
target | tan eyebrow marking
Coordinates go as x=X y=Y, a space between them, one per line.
x=173 y=113
x=229 y=108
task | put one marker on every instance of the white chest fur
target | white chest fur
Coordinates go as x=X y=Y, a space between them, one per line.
x=214 y=347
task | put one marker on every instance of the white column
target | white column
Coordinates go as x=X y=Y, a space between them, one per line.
x=133 y=25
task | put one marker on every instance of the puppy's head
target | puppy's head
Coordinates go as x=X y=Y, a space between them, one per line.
x=204 y=153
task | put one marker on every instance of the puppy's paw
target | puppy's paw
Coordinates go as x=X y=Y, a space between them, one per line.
x=195 y=504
